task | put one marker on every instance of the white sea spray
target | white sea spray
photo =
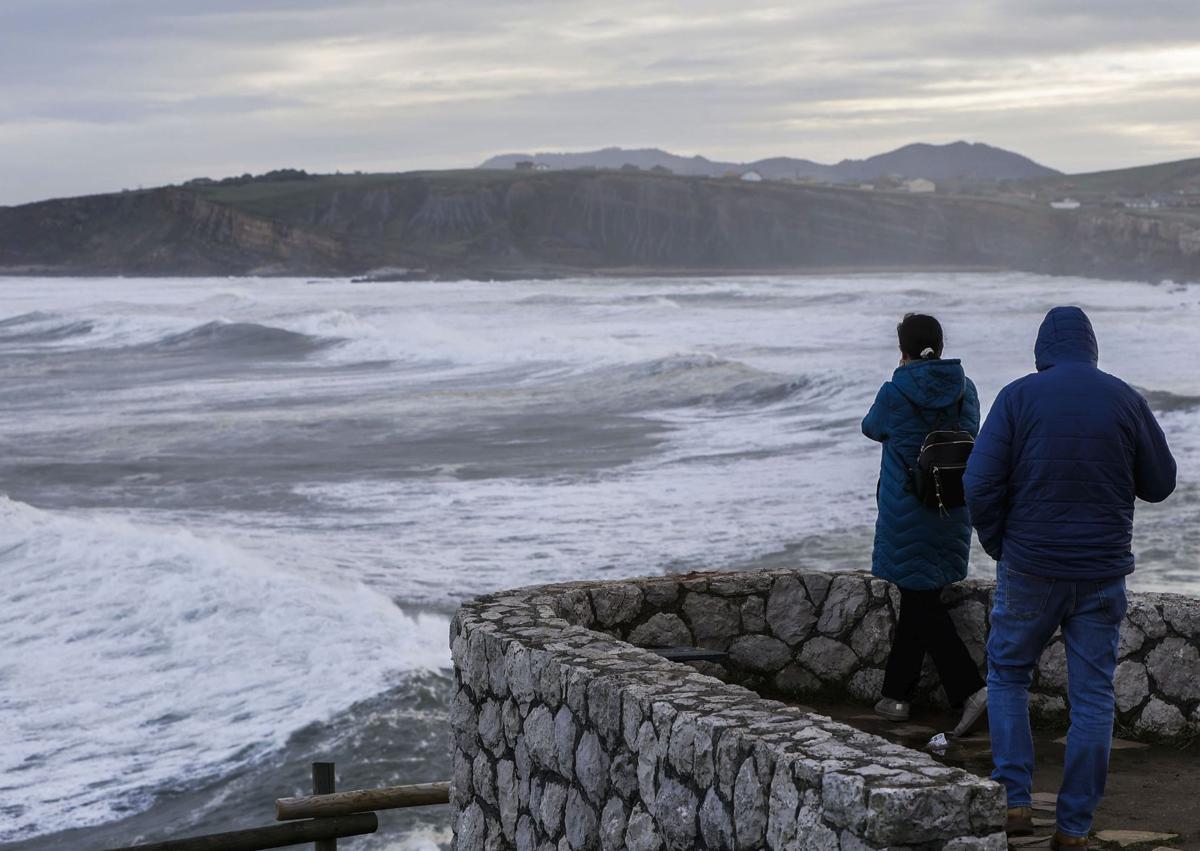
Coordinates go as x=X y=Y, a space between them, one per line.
x=205 y=475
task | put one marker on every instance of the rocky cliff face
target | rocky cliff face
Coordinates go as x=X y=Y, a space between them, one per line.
x=564 y=222
x=1124 y=244
x=164 y=231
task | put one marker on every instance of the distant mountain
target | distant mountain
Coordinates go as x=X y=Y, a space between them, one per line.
x=937 y=162
x=643 y=158
x=944 y=162
x=778 y=168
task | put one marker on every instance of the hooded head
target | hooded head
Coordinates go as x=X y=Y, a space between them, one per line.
x=923 y=377
x=931 y=384
x=1066 y=336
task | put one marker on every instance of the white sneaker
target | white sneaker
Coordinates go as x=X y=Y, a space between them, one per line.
x=892 y=710
x=974 y=711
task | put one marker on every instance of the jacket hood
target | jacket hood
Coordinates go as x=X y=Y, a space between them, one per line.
x=931 y=384
x=1066 y=336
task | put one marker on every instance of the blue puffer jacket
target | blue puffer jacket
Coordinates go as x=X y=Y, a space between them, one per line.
x=917 y=547
x=1063 y=453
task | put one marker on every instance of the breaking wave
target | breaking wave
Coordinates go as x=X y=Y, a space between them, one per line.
x=218 y=337
x=183 y=653
x=1168 y=402
x=683 y=380
x=40 y=327
x=242 y=340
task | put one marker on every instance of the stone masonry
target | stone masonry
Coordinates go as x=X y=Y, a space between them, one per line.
x=568 y=735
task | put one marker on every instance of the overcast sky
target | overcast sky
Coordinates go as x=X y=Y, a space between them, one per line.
x=97 y=95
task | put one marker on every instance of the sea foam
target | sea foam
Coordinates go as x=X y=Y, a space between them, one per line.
x=138 y=656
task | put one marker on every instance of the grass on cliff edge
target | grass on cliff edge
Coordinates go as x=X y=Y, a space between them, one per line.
x=1137 y=181
x=280 y=199
x=272 y=198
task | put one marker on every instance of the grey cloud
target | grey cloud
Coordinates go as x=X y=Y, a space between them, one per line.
x=150 y=91
x=113 y=110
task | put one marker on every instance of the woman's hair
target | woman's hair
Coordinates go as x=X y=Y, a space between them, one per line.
x=920 y=337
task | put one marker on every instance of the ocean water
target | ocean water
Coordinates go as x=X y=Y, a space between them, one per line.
x=238 y=514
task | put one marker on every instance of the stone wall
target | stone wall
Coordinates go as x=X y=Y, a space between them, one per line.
x=568 y=735
x=795 y=634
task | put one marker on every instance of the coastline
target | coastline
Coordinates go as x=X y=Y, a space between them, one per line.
x=543 y=273
x=609 y=272
x=490 y=226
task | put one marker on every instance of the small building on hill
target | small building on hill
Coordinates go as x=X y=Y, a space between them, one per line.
x=919 y=184
x=1065 y=204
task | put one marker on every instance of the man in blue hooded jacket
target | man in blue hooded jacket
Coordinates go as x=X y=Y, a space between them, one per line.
x=1050 y=486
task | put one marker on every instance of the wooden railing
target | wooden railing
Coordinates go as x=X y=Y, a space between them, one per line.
x=321 y=818
x=362 y=801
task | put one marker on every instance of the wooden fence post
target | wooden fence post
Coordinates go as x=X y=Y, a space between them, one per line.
x=323 y=784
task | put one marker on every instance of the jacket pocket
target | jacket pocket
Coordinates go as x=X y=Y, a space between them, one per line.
x=1023 y=596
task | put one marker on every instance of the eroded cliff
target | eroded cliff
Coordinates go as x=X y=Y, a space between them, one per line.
x=576 y=222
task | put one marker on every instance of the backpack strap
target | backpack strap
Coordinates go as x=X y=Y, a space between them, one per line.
x=920 y=412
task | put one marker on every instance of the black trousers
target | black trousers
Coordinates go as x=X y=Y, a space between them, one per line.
x=924 y=626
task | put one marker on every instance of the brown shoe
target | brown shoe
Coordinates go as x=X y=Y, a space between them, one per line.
x=1061 y=840
x=1020 y=822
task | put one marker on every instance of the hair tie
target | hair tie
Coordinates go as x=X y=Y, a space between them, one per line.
x=928 y=353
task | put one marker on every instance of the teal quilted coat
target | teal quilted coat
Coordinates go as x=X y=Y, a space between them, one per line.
x=916 y=547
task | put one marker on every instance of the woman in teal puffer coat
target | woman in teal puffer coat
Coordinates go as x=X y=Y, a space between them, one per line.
x=922 y=550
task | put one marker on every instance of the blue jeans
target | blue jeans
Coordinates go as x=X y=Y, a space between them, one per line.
x=1027 y=611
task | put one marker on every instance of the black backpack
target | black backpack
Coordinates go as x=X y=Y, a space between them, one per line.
x=937 y=477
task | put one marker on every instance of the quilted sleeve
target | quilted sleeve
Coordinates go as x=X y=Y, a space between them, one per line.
x=986 y=478
x=875 y=423
x=1153 y=465
x=970 y=410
